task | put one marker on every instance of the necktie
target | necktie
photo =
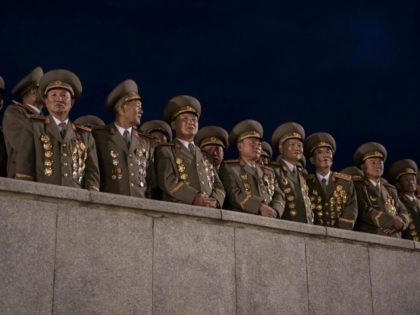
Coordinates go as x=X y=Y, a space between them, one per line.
x=62 y=127
x=191 y=147
x=126 y=136
x=324 y=185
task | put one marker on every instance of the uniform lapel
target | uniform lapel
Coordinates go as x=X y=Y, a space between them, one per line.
x=117 y=138
x=186 y=154
x=52 y=129
x=70 y=133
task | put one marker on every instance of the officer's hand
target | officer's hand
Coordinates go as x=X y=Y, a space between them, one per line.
x=200 y=199
x=211 y=202
x=398 y=224
x=389 y=231
x=267 y=211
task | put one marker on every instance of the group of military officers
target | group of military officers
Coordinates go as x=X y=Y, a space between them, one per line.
x=143 y=160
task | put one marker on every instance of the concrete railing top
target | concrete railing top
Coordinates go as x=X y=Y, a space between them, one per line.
x=46 y=191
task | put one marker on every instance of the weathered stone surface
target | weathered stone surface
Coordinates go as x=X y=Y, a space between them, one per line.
x=395 y=281
x=370 y=238
x=104 y=262
x=193 y=268
x=338 y=278
x=27 y=246
x=45 y=190
x=270 y=273
x=154 y=205
x=246 y=218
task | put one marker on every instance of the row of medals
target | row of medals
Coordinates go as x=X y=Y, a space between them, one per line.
x=290 y=197
x=334 y=208
x=141 y=156
x=389 y=203
x=209 y=168
x=78 y=155
x=267 y=183
x=181 y=170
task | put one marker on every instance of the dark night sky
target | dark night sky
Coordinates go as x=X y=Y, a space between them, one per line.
x=350 y=68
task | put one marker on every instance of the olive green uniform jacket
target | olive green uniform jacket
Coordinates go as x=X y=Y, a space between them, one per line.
x=124 y=170
x=248 y=187
x=378 y=207
x=337 y=206
x=16 y=116
x=295 y=189
x=413 y=207
x=181 y=175
x=45 y=156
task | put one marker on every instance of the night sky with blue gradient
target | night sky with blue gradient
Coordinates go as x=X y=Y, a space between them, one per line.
x=350 y=68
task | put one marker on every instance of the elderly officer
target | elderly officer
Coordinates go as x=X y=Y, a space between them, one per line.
x=266 y=153
x=16 y=114
x=250 y=186
x=213 y=141
x=288 y=138
x=403 y=173
x=332 y=194
x=124 y=154
x=184 y=174
x=159 y=130
x=3 y=154
x=380 y=210
x=52 y=149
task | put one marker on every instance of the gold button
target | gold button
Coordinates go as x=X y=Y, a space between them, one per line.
x=131 y=164
x=64 y=145
x=66 y=174
x=65 y=163
x=131 y=174
x=131 y=184
x=64 y=154
x=130 y=155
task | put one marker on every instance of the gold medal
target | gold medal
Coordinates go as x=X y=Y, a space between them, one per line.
x=47 y=146
x=181 y=168
x=48 y=154
x=183 y=176
x=288 y=190
x=113 y=153
x=292 y=213
x=48 y=171
x=339 y=187
x=45 y=138
x=82 y=146
x=48 y=163
x=179 y=161
x=290 y=197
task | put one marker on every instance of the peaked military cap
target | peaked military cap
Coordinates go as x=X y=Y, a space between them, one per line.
x=245 y=129
x=30 y=81
x=1 y=83
x=89 y=121
x=369 y=150
x=318 y=140
x=181 y=104
x=402 y=167
x=60 y=79
x=286 y=131
x=352 y=171
x=266 y=150
x=124 y=92
x=157 y=125
x=212 y=135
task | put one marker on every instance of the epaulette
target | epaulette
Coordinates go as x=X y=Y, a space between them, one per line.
x=387 y=184
x=267 y=167
x=343 y=176
x=274 y=164
x=38 y=117
x=231 y=161
x=106 y=127
x=141 y=133
x=357 y=178
x=166 y=144
x=84 y=128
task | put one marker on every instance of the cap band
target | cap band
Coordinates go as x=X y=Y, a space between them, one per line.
x=374 y=154
x=185 y=109
x=405 y=172
x=210 y=141
x=59 y=85
x=293 y=135
x=127 y=98
x=321 y=144
x=249 y=134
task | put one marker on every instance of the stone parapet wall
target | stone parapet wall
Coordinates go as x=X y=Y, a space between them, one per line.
x=71 y=251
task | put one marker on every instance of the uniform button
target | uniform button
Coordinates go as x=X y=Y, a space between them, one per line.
x=130 y=155
x=64 y=145
x=66 y=174
x=131 y=164
x=64 y=154
x=131 y=174
x=65 y=163
x=131 y=184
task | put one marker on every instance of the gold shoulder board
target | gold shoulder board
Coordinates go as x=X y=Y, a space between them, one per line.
x=343 y=176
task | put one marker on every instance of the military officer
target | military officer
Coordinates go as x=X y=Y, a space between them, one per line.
x=213 y=141
x=403 y=173
x=353 y=171
x=52 y=149
x=17 y=114
x=159 y=130
x=380 y=210
x=288 y=138
x=332 y=194
x=250 y=186
x=301 y=165
x=124 y=154
x=266 y=153
x=3 y=154
x=184 y=174
x=90 y=121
